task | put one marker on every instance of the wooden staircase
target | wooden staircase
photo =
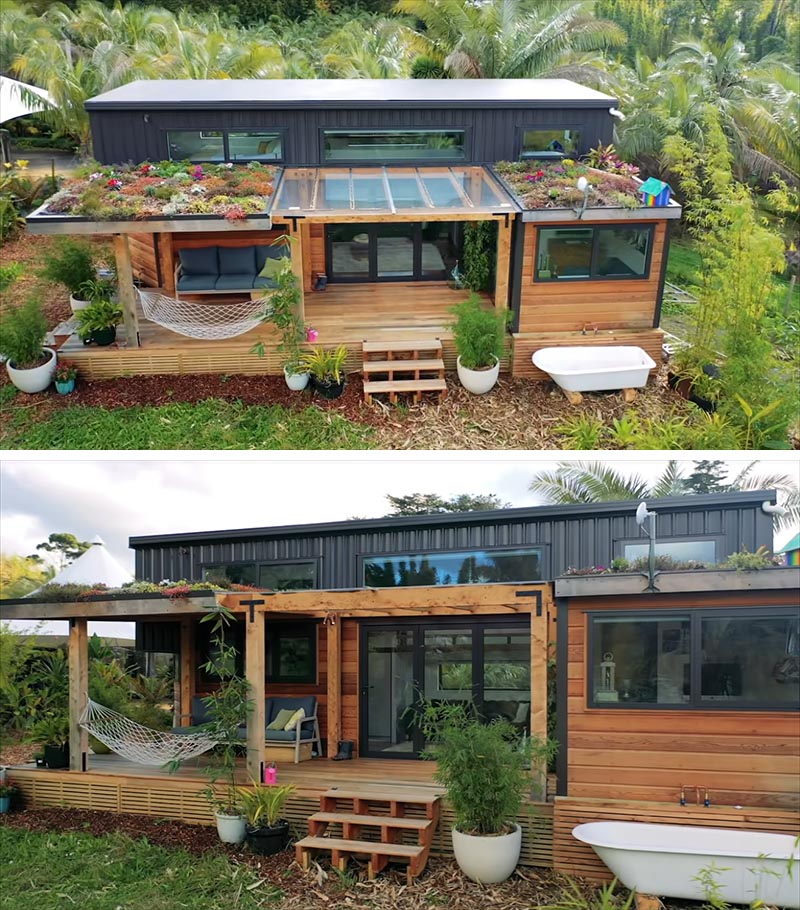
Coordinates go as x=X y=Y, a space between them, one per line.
x=380 y=825
x=403 y=367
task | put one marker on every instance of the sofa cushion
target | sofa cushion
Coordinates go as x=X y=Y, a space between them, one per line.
x=234 y=282
x=237 y=260
x=264 y=252
x=200 y=261
x=197 y=282
x=289 y=736
x=273 y=267
x=298 y=715
x=276 y=702
x=259 y=282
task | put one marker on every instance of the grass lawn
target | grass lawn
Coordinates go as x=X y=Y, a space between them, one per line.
x=54 y=871
x=212 y=424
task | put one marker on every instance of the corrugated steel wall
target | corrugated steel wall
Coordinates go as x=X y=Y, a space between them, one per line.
x=492 y=134
x=578 y=541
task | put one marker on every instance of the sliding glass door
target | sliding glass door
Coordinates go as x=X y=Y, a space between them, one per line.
x=485 y=663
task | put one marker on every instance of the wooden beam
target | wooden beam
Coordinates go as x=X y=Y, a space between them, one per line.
x=297 y=264
x=503 y=264
x=186 y=672
x=167 y=259
x=127 y=295
x=539 y=653
x=111 y=608
x=78 y=653
x=334 y=648
x=255 y=672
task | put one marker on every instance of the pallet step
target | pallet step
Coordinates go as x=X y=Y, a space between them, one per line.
x=405 y=385
x=374 y=821
x=400 y=366
x=407 y=795
x=404 y=851
x=401 y=346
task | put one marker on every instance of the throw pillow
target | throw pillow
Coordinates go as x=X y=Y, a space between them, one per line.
x=298 y=715
x=281 y=719
x=273 y=268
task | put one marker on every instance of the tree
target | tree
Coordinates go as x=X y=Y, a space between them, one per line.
x=19 y=575
x=66 y=546
x=432 y=504
x=596 y=481
x=707 y=477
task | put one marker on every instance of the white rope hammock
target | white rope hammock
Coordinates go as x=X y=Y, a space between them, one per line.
x=210 y=321
x=141 y=744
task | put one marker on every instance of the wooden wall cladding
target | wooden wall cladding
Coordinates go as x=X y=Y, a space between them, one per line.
x=144 y=259
x=568 y=306
x=749 y=758
x=350 y=677
x=524 y=346
x=575 y=858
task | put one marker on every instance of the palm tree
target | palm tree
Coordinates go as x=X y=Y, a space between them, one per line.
x=596 y=481
x=507 y=39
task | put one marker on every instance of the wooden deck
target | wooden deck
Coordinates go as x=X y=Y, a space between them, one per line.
x=346 y=314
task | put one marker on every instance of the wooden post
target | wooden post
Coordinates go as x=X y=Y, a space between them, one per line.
x=297 y=263
x=127 y=297
x=503 y=264
x=186 y=675
x=255 y=667
x=334 y=724
x=539 y=651
x=78 y=654
x=166 y=261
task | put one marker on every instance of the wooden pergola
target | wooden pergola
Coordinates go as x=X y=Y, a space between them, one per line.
x=254 y=607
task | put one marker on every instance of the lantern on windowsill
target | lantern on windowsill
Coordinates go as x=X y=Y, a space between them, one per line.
x=607 y=691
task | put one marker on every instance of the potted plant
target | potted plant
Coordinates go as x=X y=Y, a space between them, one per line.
x=262 y=804
x=52 y=734
x=479 y=335
x=486 y=770
x=71 y=264
x=284 y=303
x=326 y=368
x=228 y=707
x=8 y=793
x=65 y=376
x=29 y=364
x=99 y=320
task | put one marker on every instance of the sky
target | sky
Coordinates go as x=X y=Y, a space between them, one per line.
x=119 y=496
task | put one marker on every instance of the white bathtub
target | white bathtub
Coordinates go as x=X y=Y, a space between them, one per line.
x=666 y=859
x=595 y=368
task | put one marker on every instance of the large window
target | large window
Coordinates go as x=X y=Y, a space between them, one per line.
x=466 y=567
x=274 y=576
x=549 y=143
x=292 y=652
x=393 y=145
x=224 y=145
x=704 y=551
x=607 y=252
x=702 y=659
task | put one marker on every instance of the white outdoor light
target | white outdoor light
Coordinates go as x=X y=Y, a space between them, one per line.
x=642 y=516
x=584 y=186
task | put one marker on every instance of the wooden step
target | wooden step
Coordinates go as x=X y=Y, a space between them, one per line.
x=401 y=346
x=401 y=366
x=418 y=796
x=414 y=387
x=379 y=854
x=373 y=821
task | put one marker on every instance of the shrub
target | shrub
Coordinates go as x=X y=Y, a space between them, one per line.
x=72 y=265
x=479 y=333
x=22 y=333
x=9 y=274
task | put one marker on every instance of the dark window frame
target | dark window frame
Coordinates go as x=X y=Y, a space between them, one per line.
x=620 y=543
x=465 y=159
x=544 y=552
x=258 y=563
x=519 y=138
x=279 y=130
x=310 y=630
x=597 y=229
x=696 y=617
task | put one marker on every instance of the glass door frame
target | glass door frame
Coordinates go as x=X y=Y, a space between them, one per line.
x=476 y=625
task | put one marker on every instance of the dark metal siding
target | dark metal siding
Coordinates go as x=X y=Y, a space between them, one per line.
x=492 y=134
x=571 y=541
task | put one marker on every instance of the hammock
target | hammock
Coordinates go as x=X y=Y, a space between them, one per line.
x=141 y=744
x=203 y=320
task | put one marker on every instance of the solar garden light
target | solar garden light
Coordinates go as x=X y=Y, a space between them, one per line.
x=584 y=187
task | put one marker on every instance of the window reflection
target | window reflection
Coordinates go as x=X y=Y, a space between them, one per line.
x=457 y=568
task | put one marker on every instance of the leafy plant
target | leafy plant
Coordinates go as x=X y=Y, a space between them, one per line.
x=326 y=365
x=11 y=221
x=624 y=430
x=480 y=242
x=8 y=790
x=484 y=767
x=65 y=371
x=583 y=431
x=604 y=899
x=745 y=561
x=9 y=274
x=99 y=315
x=479 y=333
x=51 y=731
x=22 y=334
x=284 y=305
x=71 y=264
x=263 y=804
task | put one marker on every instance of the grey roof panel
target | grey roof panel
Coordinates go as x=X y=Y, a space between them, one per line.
x=309 y=93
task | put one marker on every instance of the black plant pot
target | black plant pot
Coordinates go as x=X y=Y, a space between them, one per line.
x=327 y=389
x=685 y=388
x=268 y=841
x=56 y=756
x=104 y=337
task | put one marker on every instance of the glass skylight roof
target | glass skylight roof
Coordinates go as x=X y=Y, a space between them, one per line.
x=389 y=190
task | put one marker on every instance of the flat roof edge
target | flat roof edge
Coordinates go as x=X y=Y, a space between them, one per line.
x=338 y=104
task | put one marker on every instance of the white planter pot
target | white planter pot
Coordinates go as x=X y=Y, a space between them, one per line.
x=296 y=381
x=478 y=381
x=37 y=379
x=77 y=304
x=487 y=860
x=231 y=828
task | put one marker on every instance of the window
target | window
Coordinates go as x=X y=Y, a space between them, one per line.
x=608 y=252
x=393 y=145
x=704 y=551
x=549 y=143
x=292 y=652
x=706 y=659
x=454 y=568
x=224 y=145
x=274 y=576
x=207 y=651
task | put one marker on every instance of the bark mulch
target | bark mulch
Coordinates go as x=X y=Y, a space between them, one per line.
x=441 y=885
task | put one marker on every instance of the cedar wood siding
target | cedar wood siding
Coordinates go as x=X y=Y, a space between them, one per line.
x=493 y=134
x=749 y=758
